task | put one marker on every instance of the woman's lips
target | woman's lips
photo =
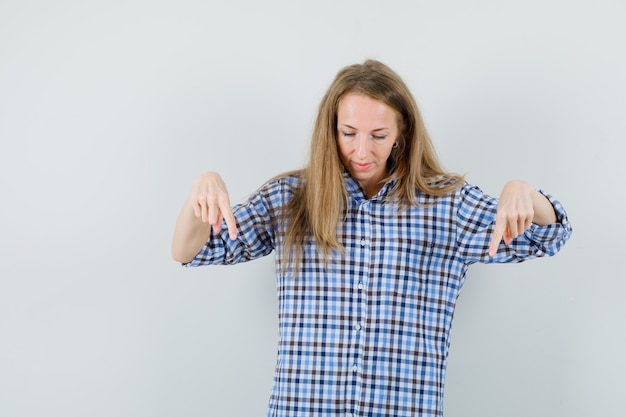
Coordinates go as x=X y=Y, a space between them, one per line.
x=361 y=167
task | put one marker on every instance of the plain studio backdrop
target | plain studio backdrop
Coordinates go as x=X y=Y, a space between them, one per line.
x=110 y=109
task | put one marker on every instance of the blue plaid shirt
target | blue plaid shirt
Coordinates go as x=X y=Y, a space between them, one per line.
x=367 y=334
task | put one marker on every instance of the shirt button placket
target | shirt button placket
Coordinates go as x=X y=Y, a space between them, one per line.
x=363 y=224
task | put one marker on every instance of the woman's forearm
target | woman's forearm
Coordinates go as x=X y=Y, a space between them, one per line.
x=543 y=211
x=190 y=235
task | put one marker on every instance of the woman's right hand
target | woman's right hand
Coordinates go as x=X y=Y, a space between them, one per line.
x=211 y=204
x=205 y=208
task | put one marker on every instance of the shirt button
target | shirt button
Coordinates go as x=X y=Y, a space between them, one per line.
x=355 y=368
x=363 y=242
x=357 y=327
x=360 y=286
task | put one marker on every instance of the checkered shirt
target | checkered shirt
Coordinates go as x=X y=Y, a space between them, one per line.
x=368 y=333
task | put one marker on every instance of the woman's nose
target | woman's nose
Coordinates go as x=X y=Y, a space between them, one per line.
x=362 y=147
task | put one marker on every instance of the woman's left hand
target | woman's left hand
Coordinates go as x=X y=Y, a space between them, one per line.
x=517 y=208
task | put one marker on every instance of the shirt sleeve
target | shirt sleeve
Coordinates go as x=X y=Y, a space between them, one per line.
x=476 y=217
x=255 y=230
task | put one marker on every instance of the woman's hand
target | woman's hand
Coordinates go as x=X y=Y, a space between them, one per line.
x=519 y=206
x=205 y=208
x=211 y=204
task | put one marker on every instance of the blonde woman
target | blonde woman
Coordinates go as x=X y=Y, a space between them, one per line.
x=372 y=240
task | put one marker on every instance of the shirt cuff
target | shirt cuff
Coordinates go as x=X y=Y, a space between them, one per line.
x=555 y=232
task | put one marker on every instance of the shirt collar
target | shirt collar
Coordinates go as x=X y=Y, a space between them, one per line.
x=356 y=191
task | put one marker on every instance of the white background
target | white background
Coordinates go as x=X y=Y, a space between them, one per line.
x=109 y=109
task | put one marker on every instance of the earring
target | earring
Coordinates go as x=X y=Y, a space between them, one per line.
x=395 y=145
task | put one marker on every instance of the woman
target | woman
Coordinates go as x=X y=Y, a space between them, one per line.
x=372 y=241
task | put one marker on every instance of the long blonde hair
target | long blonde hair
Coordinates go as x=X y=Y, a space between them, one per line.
x=317 y=206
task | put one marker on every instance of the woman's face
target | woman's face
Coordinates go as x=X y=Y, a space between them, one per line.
x=366 y=131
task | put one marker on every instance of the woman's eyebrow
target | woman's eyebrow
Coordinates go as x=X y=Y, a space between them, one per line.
x=351 y=127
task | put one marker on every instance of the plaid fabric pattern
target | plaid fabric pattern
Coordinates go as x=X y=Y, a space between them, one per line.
x=367 y=334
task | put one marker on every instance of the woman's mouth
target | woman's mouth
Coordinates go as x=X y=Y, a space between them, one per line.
x=360 y=167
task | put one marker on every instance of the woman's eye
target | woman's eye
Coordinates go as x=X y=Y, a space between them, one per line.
x=379 y=136
x=348 y=134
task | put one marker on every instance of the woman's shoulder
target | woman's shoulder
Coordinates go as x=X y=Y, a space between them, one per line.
x=281 y=186
x=441 y=187
x=455 y=191
x=289 y=179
